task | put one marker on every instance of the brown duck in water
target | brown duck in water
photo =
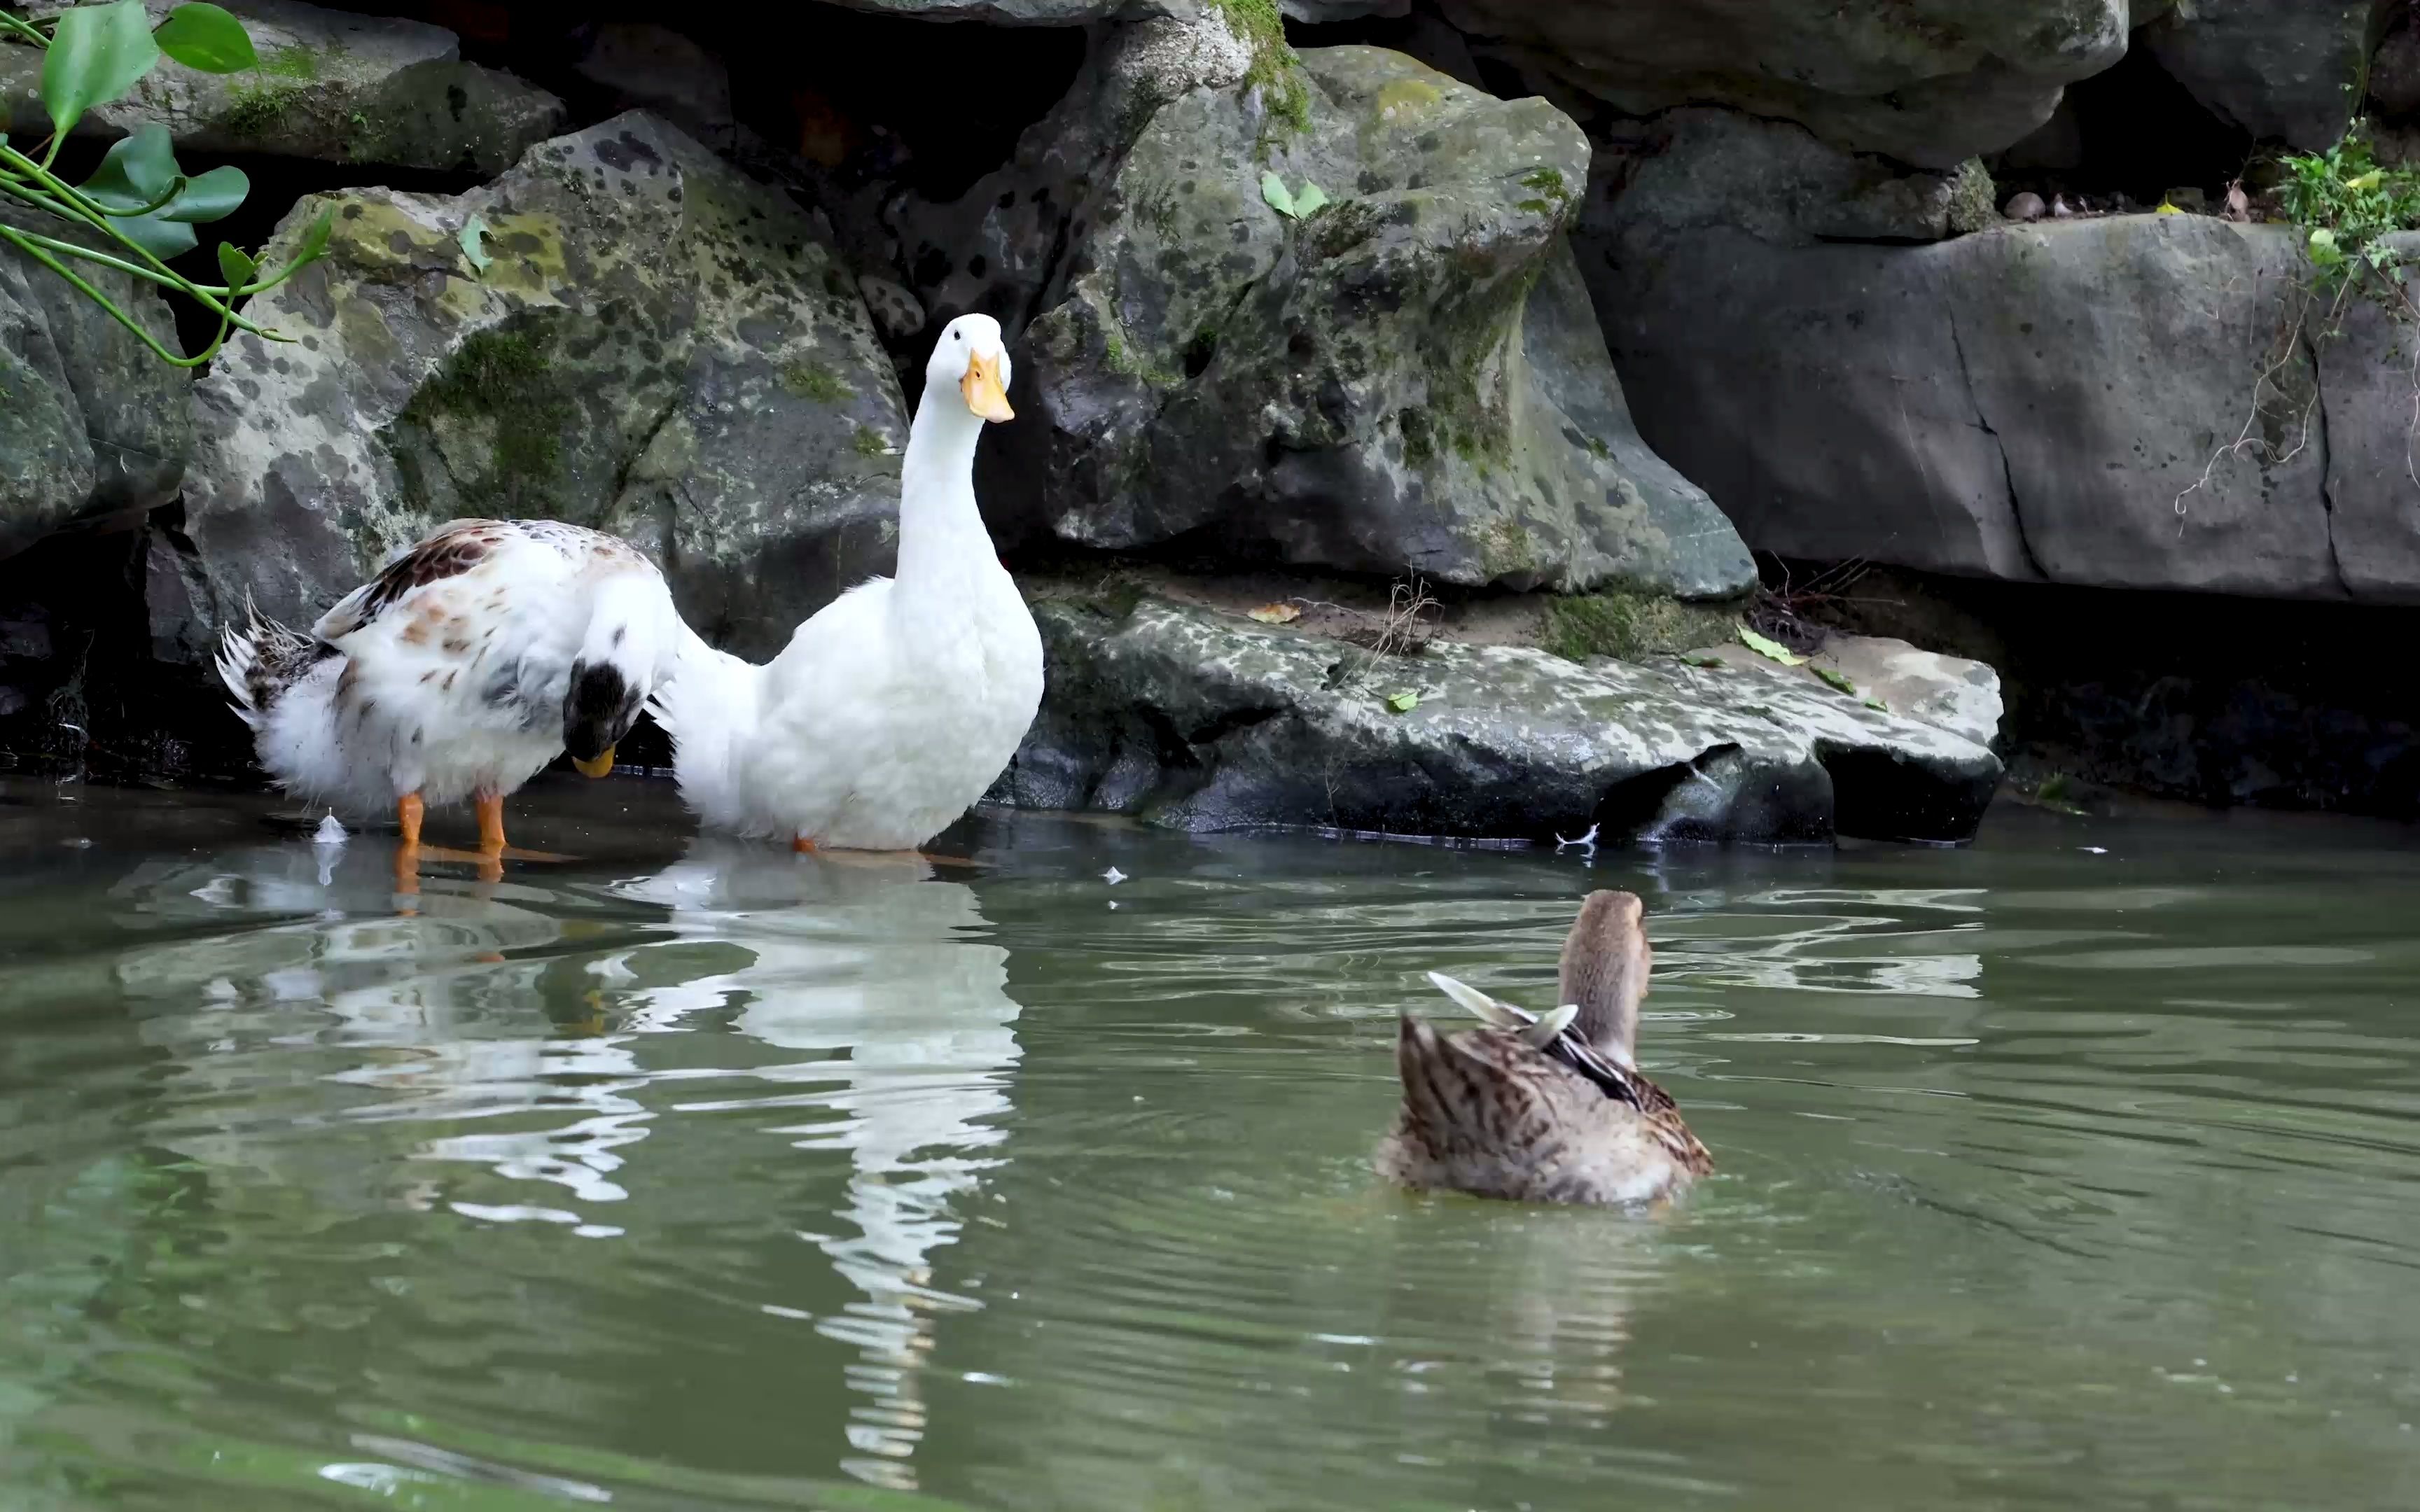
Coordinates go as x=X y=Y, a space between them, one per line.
x=1549 y=1109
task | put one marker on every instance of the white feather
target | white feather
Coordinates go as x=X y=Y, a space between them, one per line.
x=896 y=706
x=456 y=686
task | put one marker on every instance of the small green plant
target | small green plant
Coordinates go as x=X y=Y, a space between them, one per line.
x=2347 y=202
x=2346 y=205
x=1294 y=203
x=139 y=203
x=1275 y=71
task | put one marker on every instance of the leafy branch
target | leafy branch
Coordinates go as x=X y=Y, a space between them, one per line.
x=139 y=205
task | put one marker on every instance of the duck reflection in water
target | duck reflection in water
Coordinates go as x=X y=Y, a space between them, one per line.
x=876 y=966
x=871 y=979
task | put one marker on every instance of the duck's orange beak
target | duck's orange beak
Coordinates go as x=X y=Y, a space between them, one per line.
x=983 y=390
x=600 y=768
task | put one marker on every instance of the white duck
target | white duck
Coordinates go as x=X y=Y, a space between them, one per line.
x=472 y=660
x=895 y=706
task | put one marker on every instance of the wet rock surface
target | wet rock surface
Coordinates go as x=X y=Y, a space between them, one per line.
x=1197 y=720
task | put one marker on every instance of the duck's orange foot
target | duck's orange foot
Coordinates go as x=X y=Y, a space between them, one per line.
x=802 y=845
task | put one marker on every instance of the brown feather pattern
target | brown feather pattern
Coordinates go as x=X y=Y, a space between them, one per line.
x=1486 y=1113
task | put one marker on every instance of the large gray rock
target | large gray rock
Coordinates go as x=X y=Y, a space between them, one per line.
x=2371 y=389
x=1407 y=378
x=1197 y=720
x=1929 y=82
x=659 y=347
x=93 y=424
x=1787 y=185
x=330 y=86
x=2037 y=401
x=1956 y=694
x=2281 y=70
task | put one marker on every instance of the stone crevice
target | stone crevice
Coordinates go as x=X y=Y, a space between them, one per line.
x=1983 y=423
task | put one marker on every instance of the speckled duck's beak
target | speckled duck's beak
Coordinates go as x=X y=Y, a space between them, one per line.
x=599 y=767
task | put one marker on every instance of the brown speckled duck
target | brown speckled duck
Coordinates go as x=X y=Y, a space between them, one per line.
x=1549 y=1109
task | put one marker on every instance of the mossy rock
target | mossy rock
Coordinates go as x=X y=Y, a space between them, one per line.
x=332 y=86
x=1198 y=720
x=657 y=347
x=1630 y=625
x=1410 y=374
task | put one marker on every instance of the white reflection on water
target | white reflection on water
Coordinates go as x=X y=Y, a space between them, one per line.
x=867 y=964
x=870 y=972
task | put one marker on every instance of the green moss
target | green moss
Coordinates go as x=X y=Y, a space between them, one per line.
x=1124 y=358
x=504 y=378
x=1629 y=625
x=1971 y=198
x=1504 y=546
x=254 y=109
x=813 y=380
x=1419 y=448
x=1275 y=71
x=292 y=63
x=869 y=442
x=1548 y=181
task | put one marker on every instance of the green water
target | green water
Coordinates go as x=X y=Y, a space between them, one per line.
x=689 y=1174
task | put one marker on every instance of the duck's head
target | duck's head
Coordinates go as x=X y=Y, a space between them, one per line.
x=971 y=357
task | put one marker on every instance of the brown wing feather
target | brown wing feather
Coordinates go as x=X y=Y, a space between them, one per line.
x=449 y=551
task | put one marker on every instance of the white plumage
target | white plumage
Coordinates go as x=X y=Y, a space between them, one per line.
x=896 y=707
x=463 y=668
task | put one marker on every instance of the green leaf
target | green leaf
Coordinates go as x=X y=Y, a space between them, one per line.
x=1403 y=702
x=472 y=229
x=236 y=266
x=1878 y=705
x=135 y=171
x=1281 y=199
x=95 y=57
x=1773 y=649
x=206 y=38
x=210 y=196
x=1837 y=679
x=1308 y=202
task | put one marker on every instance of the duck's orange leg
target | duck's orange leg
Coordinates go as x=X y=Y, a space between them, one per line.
x=491 y=822
x=802 y=845
x=407 y=810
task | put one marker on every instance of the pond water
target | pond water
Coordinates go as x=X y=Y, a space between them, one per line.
x=2077 y=1169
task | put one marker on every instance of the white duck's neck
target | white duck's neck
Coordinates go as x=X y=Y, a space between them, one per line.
x=941 y=532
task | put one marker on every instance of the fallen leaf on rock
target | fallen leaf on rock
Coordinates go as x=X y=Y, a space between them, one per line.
x=1403 y=702
x=1275 y=614
x=1773 y=649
